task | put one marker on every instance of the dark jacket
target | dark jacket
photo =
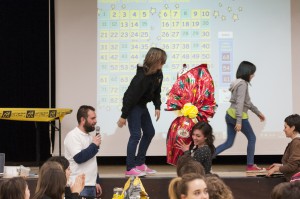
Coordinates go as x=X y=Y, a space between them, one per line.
x=70 y=195
x=141 y=90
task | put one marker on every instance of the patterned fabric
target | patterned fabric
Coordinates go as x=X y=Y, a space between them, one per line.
x=194 y=87
x=202 y=155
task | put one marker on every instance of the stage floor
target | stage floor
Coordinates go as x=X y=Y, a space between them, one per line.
x=117 y=171
x=234 y=176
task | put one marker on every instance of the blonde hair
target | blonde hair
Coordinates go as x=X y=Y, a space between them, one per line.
x=154 y=57
x=217 y=189
x=179 y=185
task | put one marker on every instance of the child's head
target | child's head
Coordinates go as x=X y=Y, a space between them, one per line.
x=290 y=190
x=154 y=60
x=188 y=186
x=217 y=189
x=13 y=188
x=245 y=71
x=202 y=133
x=278 y=189
x=64 y=163
x=189 y=166
x=52 y=181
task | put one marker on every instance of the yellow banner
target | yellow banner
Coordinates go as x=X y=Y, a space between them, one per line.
x=33 y=114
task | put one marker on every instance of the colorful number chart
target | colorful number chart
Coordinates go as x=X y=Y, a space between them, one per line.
x=128 y=28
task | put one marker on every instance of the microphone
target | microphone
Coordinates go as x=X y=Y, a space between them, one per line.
x=97 y=130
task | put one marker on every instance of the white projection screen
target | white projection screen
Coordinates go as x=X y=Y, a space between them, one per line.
x=99 y=43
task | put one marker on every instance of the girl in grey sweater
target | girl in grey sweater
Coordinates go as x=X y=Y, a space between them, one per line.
x=237 y=116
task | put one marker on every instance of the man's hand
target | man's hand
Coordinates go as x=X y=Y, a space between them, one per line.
x=97 y=139
x=98 y=190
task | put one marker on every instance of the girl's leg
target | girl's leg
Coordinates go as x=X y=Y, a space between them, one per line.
x=231 y=133
x=134 y=125
x=248 y=132
x=148 y=134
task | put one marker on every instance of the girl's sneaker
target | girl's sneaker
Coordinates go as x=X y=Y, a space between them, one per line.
x=134 y=172
x=255 y=168
x=145 y=169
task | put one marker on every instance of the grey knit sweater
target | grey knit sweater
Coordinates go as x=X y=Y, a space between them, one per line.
x=240 y=99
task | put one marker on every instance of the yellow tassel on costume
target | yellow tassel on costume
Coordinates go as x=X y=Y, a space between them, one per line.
x=189 y=110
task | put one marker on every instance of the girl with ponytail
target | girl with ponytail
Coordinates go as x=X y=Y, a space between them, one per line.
x=189 y=186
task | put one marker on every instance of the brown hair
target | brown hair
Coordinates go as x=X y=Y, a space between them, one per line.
x=179 y=185
x=290 y=190
x=154 y=57
x=186 y=164
x=64 y=162
x=217 y=189
x=13 y=188
x=83 y=112
x=52 y=181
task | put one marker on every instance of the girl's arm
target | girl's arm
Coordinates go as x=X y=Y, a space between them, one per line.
x=240 y=100
x=157 y=96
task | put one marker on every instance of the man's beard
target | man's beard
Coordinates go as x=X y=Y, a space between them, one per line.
x=88 y=127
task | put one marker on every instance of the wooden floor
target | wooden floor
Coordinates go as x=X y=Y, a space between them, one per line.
x=113 y=171
x=234 y=176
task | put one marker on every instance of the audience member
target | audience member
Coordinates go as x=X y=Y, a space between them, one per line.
x=81 y=148
x=291 y=191
x=217 y=189
x=277 y=190
x=182 y=160
x=286 y=190
x=186 y=164
x=51 y=183
x=189 y=186
x=290 y=162
x=14 y=188
x=72 y=190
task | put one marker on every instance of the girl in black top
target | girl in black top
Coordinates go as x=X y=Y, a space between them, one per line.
x=144 y=87
x=202 y=147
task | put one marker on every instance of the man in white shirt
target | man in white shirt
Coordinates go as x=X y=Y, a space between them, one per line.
x=81 y=148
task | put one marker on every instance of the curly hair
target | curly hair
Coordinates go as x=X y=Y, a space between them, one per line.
x=217 y=189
